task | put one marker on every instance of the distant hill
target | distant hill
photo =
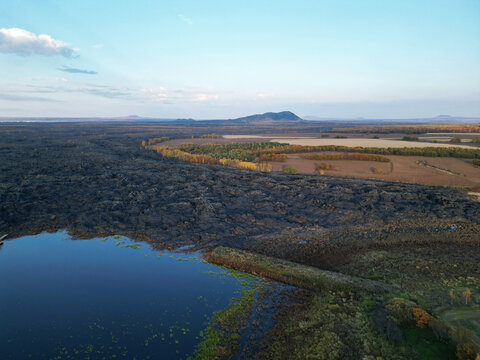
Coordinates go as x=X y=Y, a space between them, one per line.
x=283 y=116
x=419 y=120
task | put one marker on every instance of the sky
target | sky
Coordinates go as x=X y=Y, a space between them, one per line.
x=208 y=59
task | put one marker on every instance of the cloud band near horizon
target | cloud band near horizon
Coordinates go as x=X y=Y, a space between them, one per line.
x=77 y=71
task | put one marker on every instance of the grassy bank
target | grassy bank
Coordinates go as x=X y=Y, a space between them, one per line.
x=349 y=317
x=289 y=272
x=221 y=339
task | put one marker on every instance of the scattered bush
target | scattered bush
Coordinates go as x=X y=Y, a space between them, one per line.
x=206 y=159
x=386 y=325
x=420 y=316
x=401 y=310
x=211 y=136
x=455 y=140
x=410 y=138
x=158 y=140
x=239 y=151
x=290 y=170
x=325 y=167
x=476 y=162
x=468 y=351
x=377 y=171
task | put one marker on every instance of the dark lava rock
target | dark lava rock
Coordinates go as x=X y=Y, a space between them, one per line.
x=96 y=180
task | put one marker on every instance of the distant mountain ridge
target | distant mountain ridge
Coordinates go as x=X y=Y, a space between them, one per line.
x=282 y=117
x=270 y=116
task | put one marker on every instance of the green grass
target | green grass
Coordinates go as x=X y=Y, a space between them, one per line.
x=427 y=346
x=464 y=317
x=290 y=170
x=133 y=246
x=435 y=277
x=340 y=319
x=334 y=325
x=221 y=340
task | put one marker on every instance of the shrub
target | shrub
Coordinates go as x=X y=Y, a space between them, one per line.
x=376 y=171
x=401 y=311
x=440 y=329
x=325 y=167
x=211 y=136
x=455 y=140
x=420 y=316
x=206 y=159
x=410 y=138
x=468 y=351
x=290 y=170
x=158 y=140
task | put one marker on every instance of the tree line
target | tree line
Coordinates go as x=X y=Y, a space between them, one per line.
x=347 y=156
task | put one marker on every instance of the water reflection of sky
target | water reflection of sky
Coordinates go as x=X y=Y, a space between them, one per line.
x=102 y=298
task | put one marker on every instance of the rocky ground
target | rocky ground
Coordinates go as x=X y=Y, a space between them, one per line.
x=97 y=180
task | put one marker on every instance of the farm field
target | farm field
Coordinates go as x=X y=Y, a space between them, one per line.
x=366 y=140
x=442 y=171
x=401 y=168
x=380 y=143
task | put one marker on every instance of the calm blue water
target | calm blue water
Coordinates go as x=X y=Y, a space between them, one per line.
x=96 y=299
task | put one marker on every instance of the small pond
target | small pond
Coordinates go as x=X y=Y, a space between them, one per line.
x=105 y=298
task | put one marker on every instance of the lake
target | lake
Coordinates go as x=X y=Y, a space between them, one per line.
x=105 y=298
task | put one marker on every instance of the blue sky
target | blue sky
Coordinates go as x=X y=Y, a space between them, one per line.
x=221 y=59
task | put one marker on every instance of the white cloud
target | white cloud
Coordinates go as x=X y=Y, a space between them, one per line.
x=43 y=89
x=205 y=97
x=24 y=43
x=185 y=19
x=190 y=94
x=264 y=96
x=14 y=97
x=97 y=46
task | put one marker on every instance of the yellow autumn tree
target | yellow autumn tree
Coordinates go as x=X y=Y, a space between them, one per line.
x=421 y=317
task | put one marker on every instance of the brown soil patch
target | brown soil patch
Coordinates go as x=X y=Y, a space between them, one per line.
x=401 y=168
